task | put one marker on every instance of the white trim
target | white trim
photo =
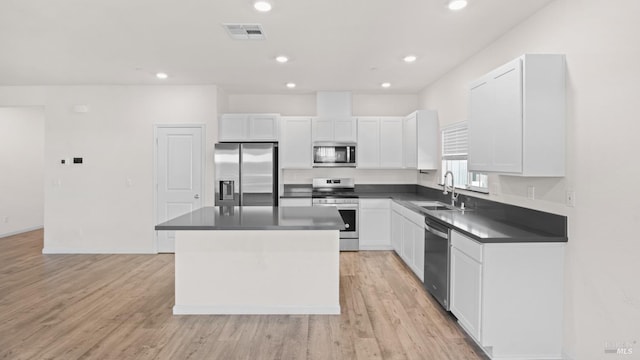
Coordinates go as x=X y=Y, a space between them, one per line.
x=375 y=247
x=254 y=310
x=105 y=251
x=16 y=232
x=154 y=184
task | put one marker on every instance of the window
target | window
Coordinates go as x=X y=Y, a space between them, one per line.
x=454 y=159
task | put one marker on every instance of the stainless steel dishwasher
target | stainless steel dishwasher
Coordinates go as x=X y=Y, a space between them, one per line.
x=436 y=260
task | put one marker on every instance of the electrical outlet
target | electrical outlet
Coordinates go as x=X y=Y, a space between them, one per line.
x=570 y=198
x=531 y=192
x=5 y=219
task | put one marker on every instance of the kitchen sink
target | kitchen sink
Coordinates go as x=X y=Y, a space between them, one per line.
x=437 y=207
x=434 y=205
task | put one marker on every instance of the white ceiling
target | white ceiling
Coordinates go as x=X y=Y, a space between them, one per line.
x=333 y=44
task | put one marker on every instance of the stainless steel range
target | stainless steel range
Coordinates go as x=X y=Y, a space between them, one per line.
x=339 y=192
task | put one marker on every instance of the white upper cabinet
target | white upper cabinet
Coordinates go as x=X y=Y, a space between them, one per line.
x=380 y=142
x=368 y=147
x=295 y=142
x=517 y=118
x=248 y=127
x=334 y=129
x=391 y=133
x=421 y=140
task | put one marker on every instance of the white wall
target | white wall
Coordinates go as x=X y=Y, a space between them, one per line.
x=305 y=104
x=22 y=169
x=602 y=298
x=289 y=105
x=89 y=207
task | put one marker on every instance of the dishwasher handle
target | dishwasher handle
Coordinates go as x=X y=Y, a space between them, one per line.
x=430 y=228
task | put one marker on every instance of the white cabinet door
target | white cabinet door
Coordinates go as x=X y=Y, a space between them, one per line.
x=466 y=285
x=418 y=251
x=338 y=130
x=495 y=124
x=322 y=130
x=232 y=127
x=507 y=118
x=480 y=127
x=396 y=232
x=421 y=134
x=407 y=242
x=295 y=202
x=263 y=127
x=375 y=224
x=517 y=117
x=248 y=127
x=409 y=140
x=345 y=130
x=295 y=143
x=368 y=143
x=391 y=145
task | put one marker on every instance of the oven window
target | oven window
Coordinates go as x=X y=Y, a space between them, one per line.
x=349 y=216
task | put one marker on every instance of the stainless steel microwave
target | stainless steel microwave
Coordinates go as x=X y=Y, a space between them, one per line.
x=334 y=154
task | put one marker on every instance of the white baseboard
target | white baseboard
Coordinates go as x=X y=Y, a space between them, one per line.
x=11 y=233
x=50 y=250
x=375 y=247
x=255 y=310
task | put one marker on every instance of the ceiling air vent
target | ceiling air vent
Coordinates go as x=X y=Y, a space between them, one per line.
x=245 y=31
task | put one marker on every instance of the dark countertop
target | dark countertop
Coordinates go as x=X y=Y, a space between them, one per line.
x=257 y=218
x=475 y=223
x=482 y=228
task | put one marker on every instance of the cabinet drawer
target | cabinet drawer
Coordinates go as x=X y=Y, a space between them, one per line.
x=467 y=245
x=374 y=203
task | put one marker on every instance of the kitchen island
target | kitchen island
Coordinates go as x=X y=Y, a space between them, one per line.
x=257 y=260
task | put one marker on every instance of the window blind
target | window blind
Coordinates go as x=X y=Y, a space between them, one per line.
x=454 y=141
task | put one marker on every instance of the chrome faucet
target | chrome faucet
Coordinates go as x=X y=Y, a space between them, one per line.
x=454 y=197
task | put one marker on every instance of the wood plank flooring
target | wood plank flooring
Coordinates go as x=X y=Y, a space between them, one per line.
x=119 y=307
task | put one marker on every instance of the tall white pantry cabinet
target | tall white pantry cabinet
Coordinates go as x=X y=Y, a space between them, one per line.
x=517 y=118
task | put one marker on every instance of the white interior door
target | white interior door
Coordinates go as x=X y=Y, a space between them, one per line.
x=179 y=177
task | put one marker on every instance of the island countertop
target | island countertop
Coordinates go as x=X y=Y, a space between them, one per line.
x=257 y=218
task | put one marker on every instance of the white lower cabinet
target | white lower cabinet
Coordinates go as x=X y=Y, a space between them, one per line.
x=508 y=296
x=466 y=281
x=396 y=231
x=407 y=237
x=290 y=202
x=375 y=224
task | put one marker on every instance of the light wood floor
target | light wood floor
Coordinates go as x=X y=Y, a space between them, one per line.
x=119 y=307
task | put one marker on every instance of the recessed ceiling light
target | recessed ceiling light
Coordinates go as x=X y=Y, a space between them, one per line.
x=162 y=75
x=385 y=85
x=282 y=59
x=457 y=4
x=290 y=85
x=262 y=6
x=410 y=58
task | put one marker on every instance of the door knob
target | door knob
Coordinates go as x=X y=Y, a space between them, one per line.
x=196 y=196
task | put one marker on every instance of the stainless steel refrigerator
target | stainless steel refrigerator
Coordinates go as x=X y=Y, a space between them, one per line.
x=246 y=174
